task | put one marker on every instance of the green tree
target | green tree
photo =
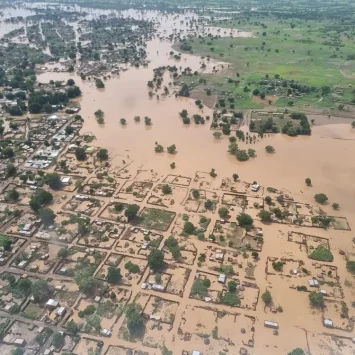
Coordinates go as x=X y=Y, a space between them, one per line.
x=270 y=149
x=353 y=124
x=40 y=290
x=123 y=121
x=85 y=280
x=245 y=220
x=10 y=170
x=268 y=200
x=5 y=242
x=266 y=297
x=114 y=275
x=196 y=194
x=102 y=154
x=63 y=253
x=47 y=216
x=235 y=177
x=350 y=265
x=321 y=198
x=39 y=198
x=189 y=228
x=159 y=148
x=223 y=212
x=53 y=180
x=265 y=216
x=171 y=149
x=17 y=351
x=99 y=84
x=166 y=189
x=58 y=340
x=131 y=211
x=135 y=323
x=12 y=195
x=316 y=299
x=217 y=135
x=69 y=130
x=232 y=286
x=242 y=155
x=184 y=114
x=24 y=286
x=70 y=82
x=94 y=321
x=147 y=121
x=209 y=205
x=156 y=259
x=72 y=327
x=308 y=182
x=297 y=351
x=335 y=206
x=80 y=153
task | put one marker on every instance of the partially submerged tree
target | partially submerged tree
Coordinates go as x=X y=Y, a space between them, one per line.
x=270 y=149
x=321 y=198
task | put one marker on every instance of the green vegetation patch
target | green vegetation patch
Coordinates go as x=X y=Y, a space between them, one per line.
x=322 y=254
x=156 y=219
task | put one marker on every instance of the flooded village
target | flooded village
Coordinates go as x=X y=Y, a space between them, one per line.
x=155 y=199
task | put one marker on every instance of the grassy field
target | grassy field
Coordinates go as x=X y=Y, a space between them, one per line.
x=312 y=55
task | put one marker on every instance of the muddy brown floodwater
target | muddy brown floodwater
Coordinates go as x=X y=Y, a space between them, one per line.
x=327 y=157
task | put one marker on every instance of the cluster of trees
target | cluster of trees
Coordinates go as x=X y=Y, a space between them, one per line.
x=39 y=199
x=99 y=114
x=240 y=154
x=304 y=127
x=42 y=101
x=160 y=149
x=173 y=246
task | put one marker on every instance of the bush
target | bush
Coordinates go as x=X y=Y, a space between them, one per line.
x=321 y=254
